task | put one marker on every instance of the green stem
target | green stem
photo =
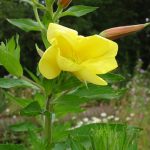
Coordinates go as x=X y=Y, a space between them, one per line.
x=48 y=124
x=38 y=18
x=57 y=14
x=49 y=7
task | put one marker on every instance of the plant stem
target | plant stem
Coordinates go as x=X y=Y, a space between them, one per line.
x=57 y=14
x=49 y=7
x=48 y=124
x=38 y=18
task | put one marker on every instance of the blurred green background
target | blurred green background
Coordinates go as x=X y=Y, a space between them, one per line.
x=111 y=13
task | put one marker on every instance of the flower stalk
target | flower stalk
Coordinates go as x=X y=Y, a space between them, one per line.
x=57 y=14
x=49 y=7
x=38 y=18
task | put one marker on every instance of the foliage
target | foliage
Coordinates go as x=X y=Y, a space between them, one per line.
x=54 y=99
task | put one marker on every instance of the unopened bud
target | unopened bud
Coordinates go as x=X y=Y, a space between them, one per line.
x=118 y=32
x=64 y=3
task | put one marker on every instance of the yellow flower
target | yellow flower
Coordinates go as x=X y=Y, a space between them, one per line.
x=85 y=57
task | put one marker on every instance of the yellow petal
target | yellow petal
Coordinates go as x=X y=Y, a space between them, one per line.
x=48 y=64
x=66 y=64
x=67 y=46
x=55 y=30
x=102 y=66
x=96 y=46
x=86 y=76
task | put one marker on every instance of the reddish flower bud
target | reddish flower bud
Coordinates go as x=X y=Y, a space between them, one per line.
x=64 y=3
x=118 y=32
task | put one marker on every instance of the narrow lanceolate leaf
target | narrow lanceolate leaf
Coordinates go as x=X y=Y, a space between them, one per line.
x=39 y=51
x=78 y=11
x=118 y=32
x=11 y=83
x=33 y=109
x=25 y=24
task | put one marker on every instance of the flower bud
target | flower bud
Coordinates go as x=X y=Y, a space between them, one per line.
x=118 y=32
x=64 y=3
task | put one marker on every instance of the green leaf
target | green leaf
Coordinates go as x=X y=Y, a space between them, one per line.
x=12 y=65
x=38 y=143
x=47 y=84
x=11 y=147
x=60 y=132
x=11 y=83
x=99 y=92
x=60 y=146
x=20 y=101
x=69 y=104
x=25 y=24
x=24 y=126
x=9 y=57
x=78 y=11
x=71 y=99
x=75 y=145
x=112 y=78
x=40 y=98
x=68 y=83
x=11 y=44
x=13 y=47
x=33 y=109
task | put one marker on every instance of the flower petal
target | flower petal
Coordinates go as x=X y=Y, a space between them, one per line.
x=54 y=30
x=86 y=76
x=66 y=64
x=96 y=46
x=67 y=46
x=102 y=66
x=48 y=65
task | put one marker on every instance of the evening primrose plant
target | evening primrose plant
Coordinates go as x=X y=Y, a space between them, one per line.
x=73 y=70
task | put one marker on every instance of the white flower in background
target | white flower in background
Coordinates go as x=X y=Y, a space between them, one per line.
x=74 y=117
x=147 y=19
x=89 y=122
x=7 y=110
x=96 y=120
x=85 y=119
x=116 y=118
x=110 y=117
x=132 y=114
x=104 y=120
x=14 y=117
x=80 y=123
x=103 y=114
x=128 y=118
